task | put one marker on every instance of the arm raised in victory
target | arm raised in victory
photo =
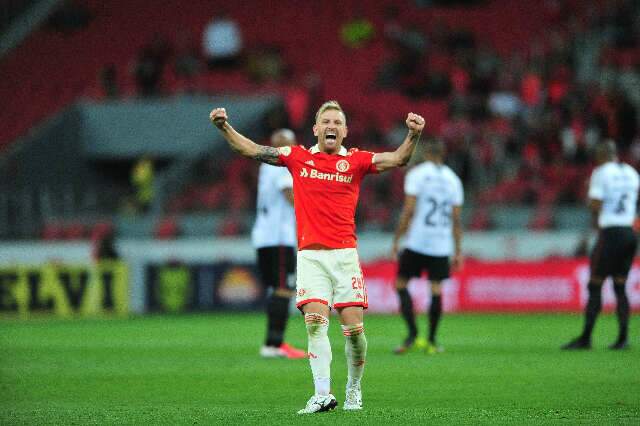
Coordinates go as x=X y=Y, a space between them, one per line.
x=401 y=156
x=241 y=144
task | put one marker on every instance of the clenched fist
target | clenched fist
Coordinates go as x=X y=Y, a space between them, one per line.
x=218 y=116
x=415 y=122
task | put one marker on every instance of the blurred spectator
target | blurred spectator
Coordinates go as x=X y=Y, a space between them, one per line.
x=276 y=118
x=504 y=102
x=629 y=82
x=105 y=248
x=142 y=178
x=70 y=16
x=109 y=81
x=149 y=66
x=626 y=115
x=265 y=65
x=406 y=37
x=148 y=74
x=531 y=89
x=357 y=32
x=186 y=59
x=408 y=46
x=173 y=290
x=222 y=42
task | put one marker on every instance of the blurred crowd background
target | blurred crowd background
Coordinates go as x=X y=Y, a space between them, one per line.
x=100 y=100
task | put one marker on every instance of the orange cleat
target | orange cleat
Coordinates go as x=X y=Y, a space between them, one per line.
x=291 y=352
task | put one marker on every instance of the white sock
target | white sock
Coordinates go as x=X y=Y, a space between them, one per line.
x=319 y=351
x=356 y=351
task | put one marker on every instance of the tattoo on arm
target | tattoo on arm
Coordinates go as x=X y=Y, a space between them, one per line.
x=269 y=155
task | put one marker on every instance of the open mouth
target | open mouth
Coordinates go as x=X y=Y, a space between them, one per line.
x=331 y=137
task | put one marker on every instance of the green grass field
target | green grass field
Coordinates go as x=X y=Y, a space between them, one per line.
x=204 y=369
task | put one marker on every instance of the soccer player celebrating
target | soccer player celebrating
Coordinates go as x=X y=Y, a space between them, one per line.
x=326 y=184
x=431 y=214
x=613 y=193
x=274 y=237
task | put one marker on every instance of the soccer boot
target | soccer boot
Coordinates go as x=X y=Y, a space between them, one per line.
x=291 y=352
x=421 y=344
x=579 y=343
x=319 y=403
x=410 y=344
x=406 y=346
x=619 y=345
x=272 y=352
x=432 y=349
x=353 y=398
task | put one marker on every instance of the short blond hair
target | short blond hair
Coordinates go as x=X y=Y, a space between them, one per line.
x=329 y=105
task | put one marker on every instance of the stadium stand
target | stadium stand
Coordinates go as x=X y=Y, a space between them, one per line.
x=519 y=102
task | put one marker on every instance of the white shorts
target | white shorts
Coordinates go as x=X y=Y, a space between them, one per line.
x=332 y=277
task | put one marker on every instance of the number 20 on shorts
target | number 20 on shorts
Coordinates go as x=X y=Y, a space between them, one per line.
x=357 y=283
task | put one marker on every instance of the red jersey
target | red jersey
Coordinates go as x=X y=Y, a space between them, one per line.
x=325 y=192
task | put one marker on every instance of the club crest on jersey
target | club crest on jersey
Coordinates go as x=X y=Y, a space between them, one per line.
x=342 y=166
x=285 y=150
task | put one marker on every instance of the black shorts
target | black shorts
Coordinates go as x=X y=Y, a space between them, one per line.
x=412 y=264
x=613 y=252
x=277 y=267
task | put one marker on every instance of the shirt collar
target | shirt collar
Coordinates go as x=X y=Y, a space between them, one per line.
x=342 y=152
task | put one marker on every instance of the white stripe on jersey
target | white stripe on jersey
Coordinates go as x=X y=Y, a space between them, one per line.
x=275 y=223
x=437 y=189
x=616 y=185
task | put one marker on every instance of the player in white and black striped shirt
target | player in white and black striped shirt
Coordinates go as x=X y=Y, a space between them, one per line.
x=274 y=238
x=431 y=220
x=613 y=194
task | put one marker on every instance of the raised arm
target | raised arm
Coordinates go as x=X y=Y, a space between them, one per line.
x=401 y=156
x=241 y=144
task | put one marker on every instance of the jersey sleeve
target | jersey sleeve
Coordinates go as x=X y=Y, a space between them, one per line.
x=596 y=186
x=366 y=159
x=412 y=183
x=284 y=180
x=458 y=191
x=287 y=155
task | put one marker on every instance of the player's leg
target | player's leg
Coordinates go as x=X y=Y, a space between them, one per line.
x=356 y=353
x=599 y=271
x=591 y=312
x=622 y=267
x=352 y=322
x=350 y=299
x=313 y=298
x=435 y=313
x=316 y=318
x=408 y=267
x=622 y=313
x=277 y=301
x=285 y=266
x=439 y=270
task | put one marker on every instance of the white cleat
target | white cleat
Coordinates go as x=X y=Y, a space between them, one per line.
x=272 y=352
x=353 y=398
x=319 y=404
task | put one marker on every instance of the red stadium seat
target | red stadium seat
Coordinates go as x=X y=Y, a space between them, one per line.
x=52 y=231
x=75 y=231
x=167 y=229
